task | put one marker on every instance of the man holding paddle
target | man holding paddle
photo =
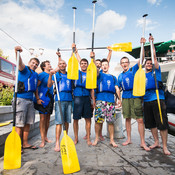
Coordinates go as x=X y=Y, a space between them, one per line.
x=82 y=101
x=131 y=105
x=65 y=94
x=155 y=116
x=27 y=85
x=107 y=88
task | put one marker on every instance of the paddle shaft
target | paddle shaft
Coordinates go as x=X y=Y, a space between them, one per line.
x=59 y=103
x=16 y=88
x=154 y=74
x=143 y=35
x=74 y=8
x=93 y=25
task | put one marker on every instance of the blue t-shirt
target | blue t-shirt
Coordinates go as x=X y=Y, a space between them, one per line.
x=22 y=76
x=150 y=94
x=43 y=77
x=127 y=93
x=64 y=96
x=80 y=85
x=105 y=96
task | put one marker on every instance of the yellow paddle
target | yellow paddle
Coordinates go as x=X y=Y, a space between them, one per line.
x=12 y=151
x=140 y=78
x=154 y=73
x=117 y=47
x=69 y=156
x=5 y=123
x=73 y=70
x=91 y=76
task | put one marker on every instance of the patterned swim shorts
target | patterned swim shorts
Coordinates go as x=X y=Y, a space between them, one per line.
x=104 y=110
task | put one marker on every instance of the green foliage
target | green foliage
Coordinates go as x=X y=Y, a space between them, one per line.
x=6 y=95
x=1 y=54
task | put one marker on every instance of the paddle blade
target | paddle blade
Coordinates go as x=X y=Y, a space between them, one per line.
x=139 y=83
x=91 y=76
x=158 y=101
x=72 y=70
x=122 y=47
x=4 y=124
x=69 y=155
x=12 y=152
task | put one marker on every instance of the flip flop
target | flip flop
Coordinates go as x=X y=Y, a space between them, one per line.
x=31 y=147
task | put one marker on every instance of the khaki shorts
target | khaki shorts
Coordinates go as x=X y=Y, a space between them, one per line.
x=132 y=108
x=25 y=112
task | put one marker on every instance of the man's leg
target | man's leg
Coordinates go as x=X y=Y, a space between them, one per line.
x=58 y=133
x=101 y=136
x=88 y=130
x=156 y=138
x=67 y=127
x=47 y=124
x=25 y=135
x=128 y=131
x=42 y=126
x=75 y=125
x=141 y=129
x=164 y=136
x=97 y=132
x=111 y=134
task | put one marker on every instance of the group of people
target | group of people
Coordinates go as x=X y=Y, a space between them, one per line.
x=100 y=101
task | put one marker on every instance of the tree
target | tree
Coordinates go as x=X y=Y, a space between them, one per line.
x=1 y=54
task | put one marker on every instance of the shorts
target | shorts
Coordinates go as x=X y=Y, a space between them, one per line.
x=152 y=116
x=25 y=112
x=132 y=108
x=66 y=107
x=104 y=110
x=82 y=107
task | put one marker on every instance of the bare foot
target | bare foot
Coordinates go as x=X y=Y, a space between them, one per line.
x=145 y=147
x=47 y=140
x=126 y=143
x=85 y=137
x=42 y=145
x=155 y=145
x=57 y=148
x=101 y=138
x=166 y=152
x=113 y=144
x=75 y=142
x=89 y=142
x=95 y=142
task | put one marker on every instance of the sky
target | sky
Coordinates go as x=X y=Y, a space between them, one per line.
x=49 y=25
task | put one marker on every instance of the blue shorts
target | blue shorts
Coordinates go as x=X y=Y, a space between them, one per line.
x=66 y=107
x=82 y=107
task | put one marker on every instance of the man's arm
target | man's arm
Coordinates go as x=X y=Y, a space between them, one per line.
x=50 y=81
x=76 y=52
x=93 y=97
x=39 y=101
x=118 y=96
x=109 y=54
x=21 y=64
x=142 y=40
x=59 y=59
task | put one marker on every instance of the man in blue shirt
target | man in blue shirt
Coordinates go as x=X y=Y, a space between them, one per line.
x=107 y=88
x=131 y=105
x=65 y=93
x=44 y=99
x=82 y=101
x=151 y=110
x=27 y=84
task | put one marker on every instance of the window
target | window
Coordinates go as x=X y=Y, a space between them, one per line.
x=6 y=67
x=164 y=77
